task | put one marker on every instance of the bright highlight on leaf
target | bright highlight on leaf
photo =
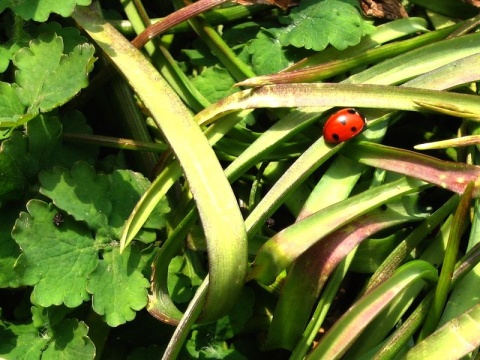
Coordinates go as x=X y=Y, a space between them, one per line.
x=40 y=10
x=316 y=24
x=103 y=202
x=118 y=304
x=86 y=243
x=58 y=262
x=67 y=260
x=46 y=78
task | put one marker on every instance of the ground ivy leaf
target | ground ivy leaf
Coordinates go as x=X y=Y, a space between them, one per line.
x=17 y=166
x=118 y=286
x=80 y=192
x=104 y=202
x=46 y=142
x=179 y=285
x=22 y=156
x=200 y=54
x=70 y=341
x=56 y=259
x=20 y=342
x=242 y=33
x=9 y=250
x=41 y=10
x=315 y=24
x=268 y=55
x=71 y=36
x=214 y=83
x=203 y=345
x=48 y=317
x=9 y=48
x=10 y=106
x=129 y=186
x=47 y=78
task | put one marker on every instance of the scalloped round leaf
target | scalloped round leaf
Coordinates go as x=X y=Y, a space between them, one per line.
x=22 y=155
x=268 y=55
x=215 y=83
x=18 y=341
x=47 y=78
x=71 y=36
x=80 y=192
x=41 y=10
x=118 y=287
x=17 y=165
x=10 y=106
x=76 y=345
x=56 y=258
x=129 y=186
x=315 y=24
x=46 y=142
x=104 y=202
x=9 y=250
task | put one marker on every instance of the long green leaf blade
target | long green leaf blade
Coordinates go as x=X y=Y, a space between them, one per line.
x=348 y=328
x=220 y=215
x=283 y=248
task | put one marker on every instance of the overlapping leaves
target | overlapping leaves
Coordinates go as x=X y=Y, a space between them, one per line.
x=70 y=251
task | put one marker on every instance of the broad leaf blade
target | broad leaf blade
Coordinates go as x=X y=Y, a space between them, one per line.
x=214 y=197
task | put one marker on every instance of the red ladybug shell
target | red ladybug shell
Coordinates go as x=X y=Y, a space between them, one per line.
x=343 y=125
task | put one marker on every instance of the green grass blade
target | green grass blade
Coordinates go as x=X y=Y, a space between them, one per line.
x=353 y=322
x=308 y=275
x=449 y=175
x=194 y=309
x=329 y=95
x=397 y=257
x=216 y=203
x=444 y=283
x=464 y=293
x=345 y=63
x=454 y=340
x=384 y=33
x=420 y=61
x=282 y=249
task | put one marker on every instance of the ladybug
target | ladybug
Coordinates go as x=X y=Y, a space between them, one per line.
x=343 y=125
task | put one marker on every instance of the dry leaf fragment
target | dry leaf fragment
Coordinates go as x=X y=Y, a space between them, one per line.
x=384 y=9
x=475 y=3
x=283 y=4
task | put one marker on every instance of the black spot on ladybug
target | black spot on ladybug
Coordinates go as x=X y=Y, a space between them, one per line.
x=353 y=129
x=352 y=111
x=335 y=137
x=58 y=219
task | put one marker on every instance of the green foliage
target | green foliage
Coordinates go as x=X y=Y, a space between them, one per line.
x=267 y=53
x=56 y=264
x=316 y=24
x=182 y=280
x=103 y=202
x=67 y=339
x=23 y=155
x=214 y=83
x=118 y=287
x=63 y=263
x=40 y=10
x=210 y=341
x=68 y=290
x=46 y=77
